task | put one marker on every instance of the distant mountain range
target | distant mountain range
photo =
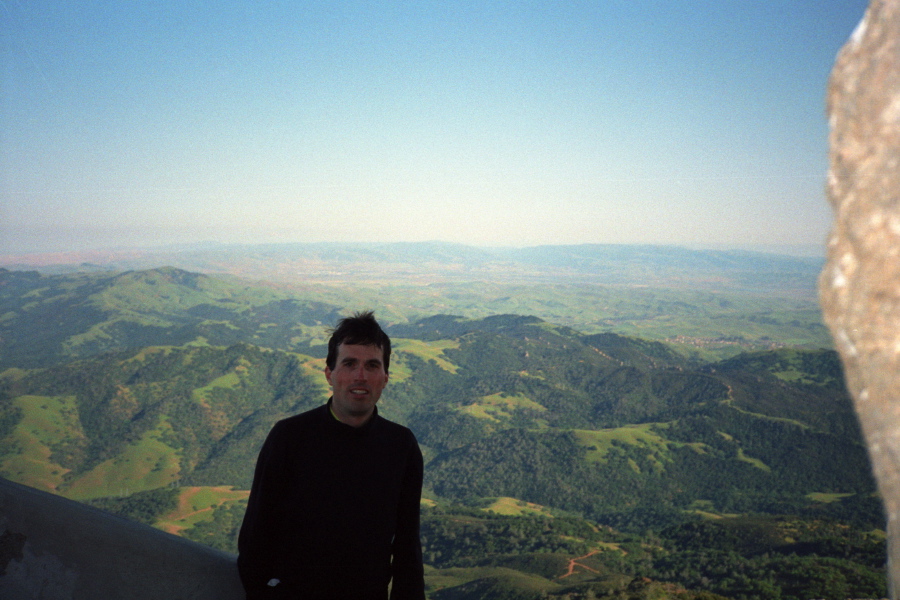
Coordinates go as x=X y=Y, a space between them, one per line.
x=608 y=264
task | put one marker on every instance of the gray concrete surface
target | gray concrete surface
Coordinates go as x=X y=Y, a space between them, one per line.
x=52 y=548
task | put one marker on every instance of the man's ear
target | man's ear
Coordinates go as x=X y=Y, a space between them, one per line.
x=328 y=376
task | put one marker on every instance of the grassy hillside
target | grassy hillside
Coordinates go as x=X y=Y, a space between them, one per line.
x=49 y=319
x=134 y=421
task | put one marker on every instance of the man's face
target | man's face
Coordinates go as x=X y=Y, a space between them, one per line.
x=356 y=381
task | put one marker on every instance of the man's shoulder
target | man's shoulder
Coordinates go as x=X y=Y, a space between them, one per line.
x=395 y=430
x=391 y=425
x=302 y=420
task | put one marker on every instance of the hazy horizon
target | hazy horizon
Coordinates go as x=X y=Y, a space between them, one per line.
x=110 y=255
x=510 y=124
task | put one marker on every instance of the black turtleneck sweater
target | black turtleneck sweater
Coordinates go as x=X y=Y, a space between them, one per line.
x=334 y=512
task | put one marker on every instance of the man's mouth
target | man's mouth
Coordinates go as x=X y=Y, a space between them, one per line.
x=359 y=391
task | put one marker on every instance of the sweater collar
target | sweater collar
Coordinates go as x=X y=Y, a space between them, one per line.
x=349 y=429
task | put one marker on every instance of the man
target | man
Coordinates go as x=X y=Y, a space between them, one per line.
x=334 y=509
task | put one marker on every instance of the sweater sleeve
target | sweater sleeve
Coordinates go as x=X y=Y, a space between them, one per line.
x=258 y=546
x=408 y=581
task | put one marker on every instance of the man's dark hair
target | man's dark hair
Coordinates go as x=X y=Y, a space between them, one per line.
x=361 y=329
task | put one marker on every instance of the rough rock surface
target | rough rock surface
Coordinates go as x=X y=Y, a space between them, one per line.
x=52 y=548
x=860 y=284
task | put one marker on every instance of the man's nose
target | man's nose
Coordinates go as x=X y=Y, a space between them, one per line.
x=360 y=372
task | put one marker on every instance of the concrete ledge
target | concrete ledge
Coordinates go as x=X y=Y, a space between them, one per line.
x=52 y=548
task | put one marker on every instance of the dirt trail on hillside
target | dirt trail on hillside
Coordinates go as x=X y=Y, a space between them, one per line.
x=182 y=511
x=185 y=509
x=574 y=563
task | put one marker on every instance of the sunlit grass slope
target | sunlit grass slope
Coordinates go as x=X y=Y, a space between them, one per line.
x=46 y=422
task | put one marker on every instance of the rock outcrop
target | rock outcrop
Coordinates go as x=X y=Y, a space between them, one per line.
x=860 y=284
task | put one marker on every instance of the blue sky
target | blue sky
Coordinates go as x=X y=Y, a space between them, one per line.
x=488 y=123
